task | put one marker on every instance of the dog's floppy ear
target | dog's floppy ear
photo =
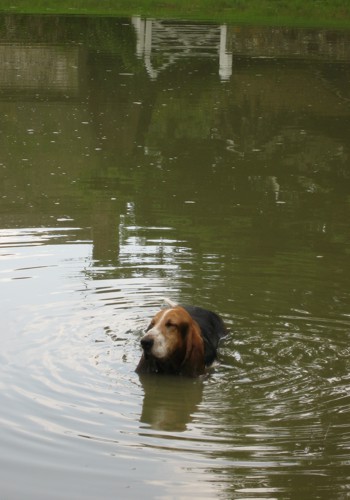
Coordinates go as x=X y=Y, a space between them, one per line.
x=193 y=364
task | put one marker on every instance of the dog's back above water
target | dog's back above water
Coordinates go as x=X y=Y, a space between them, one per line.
x=181 y=340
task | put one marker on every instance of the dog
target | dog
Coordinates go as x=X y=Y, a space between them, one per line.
x=181 y=340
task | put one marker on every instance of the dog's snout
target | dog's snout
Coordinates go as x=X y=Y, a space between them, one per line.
x=147 y=343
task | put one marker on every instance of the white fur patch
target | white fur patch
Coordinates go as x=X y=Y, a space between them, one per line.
x=159 y=348
x=169 y=302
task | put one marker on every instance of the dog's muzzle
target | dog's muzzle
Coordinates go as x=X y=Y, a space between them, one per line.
x=147 y=343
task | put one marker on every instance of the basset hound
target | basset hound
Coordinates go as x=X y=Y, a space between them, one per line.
x=181 y=340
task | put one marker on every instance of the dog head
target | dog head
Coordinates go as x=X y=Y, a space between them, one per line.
x=172 y=344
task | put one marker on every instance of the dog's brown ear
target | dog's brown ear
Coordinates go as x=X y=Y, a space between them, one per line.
x=194 y=359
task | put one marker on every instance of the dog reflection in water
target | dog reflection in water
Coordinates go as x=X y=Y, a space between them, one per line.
x=181 y=340
x=169 y=403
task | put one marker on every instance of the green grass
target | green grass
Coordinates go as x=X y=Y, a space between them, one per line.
x=327 y=13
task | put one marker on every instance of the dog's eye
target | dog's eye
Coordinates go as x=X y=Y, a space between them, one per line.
x=168 y=324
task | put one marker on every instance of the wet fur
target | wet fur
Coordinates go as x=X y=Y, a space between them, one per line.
x=181 y=340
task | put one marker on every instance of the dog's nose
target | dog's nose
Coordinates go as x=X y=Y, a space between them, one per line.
x=147 y=343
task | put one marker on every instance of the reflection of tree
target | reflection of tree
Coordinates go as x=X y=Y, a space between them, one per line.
x=256 y=147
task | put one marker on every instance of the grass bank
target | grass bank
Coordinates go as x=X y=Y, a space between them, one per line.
x=318 y=13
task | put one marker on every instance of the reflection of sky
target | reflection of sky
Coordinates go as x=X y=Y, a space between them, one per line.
x=150 y=247
x=154 y=253
x=33 y=271
x=37 y=274
x=78 y=395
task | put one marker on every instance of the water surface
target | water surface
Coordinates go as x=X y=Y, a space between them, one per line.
x=143 y=159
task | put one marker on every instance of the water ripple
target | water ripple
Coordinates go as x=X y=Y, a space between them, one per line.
x=278 y=399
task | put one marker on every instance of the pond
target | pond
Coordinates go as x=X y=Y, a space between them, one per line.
x=143 y=159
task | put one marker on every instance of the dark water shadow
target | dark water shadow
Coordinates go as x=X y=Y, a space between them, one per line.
x=169 y=403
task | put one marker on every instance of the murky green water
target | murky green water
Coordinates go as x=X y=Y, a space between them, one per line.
x=210 y=164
